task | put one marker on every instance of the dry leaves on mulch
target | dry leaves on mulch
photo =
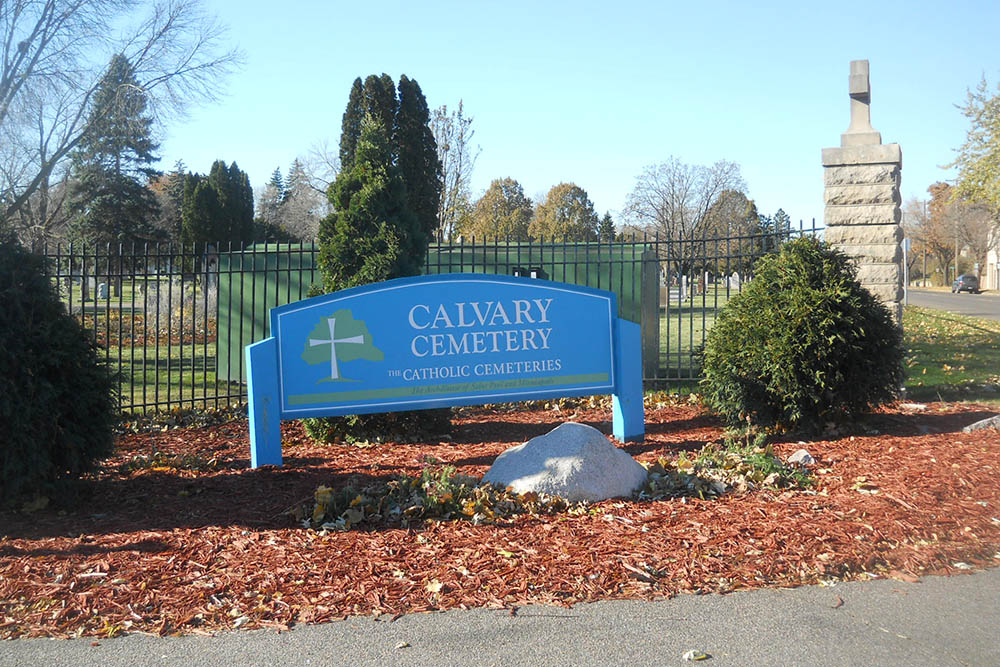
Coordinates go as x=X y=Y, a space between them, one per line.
x=193 y=541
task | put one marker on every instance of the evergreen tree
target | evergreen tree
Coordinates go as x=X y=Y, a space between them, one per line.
x=417 y=155
x=174 y=205
x=375 y=97
x=411 y=141
x=301 y=209
x=372 y=235
x=112 y=164
x=218 y=208
x=278 y=183
x=606 y=230
x=350 y=127
x=271 y=199
x=201 y=211
x=232 y=187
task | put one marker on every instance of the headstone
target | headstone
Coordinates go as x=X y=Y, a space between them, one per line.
x=861 y=193
x=102 y=291
x=573 y=461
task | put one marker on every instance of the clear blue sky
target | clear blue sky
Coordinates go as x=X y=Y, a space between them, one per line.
x=591 y=92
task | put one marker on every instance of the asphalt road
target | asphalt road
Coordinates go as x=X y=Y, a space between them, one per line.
x=939 y=621
x=985 y=305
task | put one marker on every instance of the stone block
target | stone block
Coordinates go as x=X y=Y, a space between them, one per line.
x=863 y=234
x=874 y=253
x=896 y=310
x=860 y=138
x=868 y=154
x=849 y=195
x=879 y=274
x=862 y=174
x=886 y=293
x=870 y=214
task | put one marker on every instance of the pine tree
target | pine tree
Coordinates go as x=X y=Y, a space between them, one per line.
x=278 y=183
x=232 y=187
x=175 y=199
x=272 y=198
x=350 y=127
x=606 y=231
x=218 y=208
x=111 y=166
x=417 y=156
x=201 y=212
x=372 y=235
x=375 y=97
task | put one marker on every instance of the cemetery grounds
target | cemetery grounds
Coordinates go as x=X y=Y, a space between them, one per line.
x=175 y=534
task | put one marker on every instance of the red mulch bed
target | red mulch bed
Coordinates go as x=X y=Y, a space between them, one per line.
x=180 y=551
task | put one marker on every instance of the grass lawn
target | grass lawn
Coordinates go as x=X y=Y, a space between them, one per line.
x=180 y=375
x=684 y=325
x=951 y=357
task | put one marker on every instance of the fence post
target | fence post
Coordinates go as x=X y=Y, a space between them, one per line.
x=650 y=312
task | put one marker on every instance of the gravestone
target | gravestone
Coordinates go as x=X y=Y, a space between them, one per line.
x=861 y=194
x=102 y=291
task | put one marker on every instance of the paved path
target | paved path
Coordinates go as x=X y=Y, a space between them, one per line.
x=977 y=305
x=940 y=621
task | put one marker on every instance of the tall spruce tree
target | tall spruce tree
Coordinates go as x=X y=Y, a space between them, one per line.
x=375 y=97
x=232 y=186
x=606 y=230
x=417 y=155
x=113 y=162
x=201 y=211
x=406 y=119
x=377 y=231
x=372 y=235
x=218 y=208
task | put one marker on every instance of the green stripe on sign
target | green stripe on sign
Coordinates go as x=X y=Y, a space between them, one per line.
x=457 y=388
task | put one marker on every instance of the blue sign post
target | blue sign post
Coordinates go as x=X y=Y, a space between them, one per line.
x=436 y=341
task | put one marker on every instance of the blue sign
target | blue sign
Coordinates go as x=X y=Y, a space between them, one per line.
x=442 y=340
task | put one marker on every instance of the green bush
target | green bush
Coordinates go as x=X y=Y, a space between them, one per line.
x=57 y=401
x=803 y=345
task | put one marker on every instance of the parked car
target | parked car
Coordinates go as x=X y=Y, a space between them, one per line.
x=965 y=283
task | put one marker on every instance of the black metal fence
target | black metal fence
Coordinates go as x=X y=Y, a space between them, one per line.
x=173 y=320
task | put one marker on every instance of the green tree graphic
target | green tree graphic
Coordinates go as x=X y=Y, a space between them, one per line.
x=338 y=338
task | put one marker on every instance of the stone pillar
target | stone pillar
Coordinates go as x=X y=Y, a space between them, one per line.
x=861 y=192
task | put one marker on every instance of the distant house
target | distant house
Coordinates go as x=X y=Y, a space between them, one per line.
x=991 y=276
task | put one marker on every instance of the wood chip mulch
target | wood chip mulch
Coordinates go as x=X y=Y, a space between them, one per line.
x=177 y=551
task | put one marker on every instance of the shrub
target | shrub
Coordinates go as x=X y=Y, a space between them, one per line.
x=803 y=345
x=57 y=401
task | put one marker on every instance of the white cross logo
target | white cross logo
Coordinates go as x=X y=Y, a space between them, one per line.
x=332 y=322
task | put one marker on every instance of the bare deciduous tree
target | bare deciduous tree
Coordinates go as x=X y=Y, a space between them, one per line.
x=453 y=133
x=52 y=56
x=673 y=199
